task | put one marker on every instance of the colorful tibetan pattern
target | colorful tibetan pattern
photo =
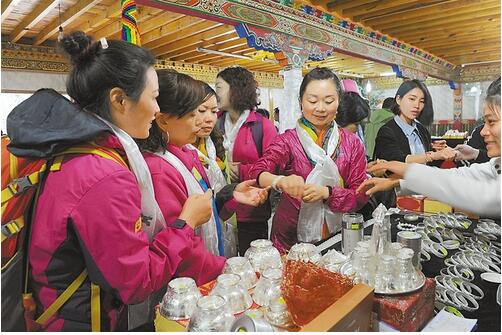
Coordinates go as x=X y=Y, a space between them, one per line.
x=299 y=5
x=253 y=16
x=130 y=30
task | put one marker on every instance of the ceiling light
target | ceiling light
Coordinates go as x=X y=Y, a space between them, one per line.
x=368 y=87
x=387 y=74
x=476 y=63
x=349 y=74
x=227 y=54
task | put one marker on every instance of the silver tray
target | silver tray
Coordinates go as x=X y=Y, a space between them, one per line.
x=346 y=270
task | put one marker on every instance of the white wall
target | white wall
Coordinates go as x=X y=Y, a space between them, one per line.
x=23 y=81
x=270 y=98
x=442 y=99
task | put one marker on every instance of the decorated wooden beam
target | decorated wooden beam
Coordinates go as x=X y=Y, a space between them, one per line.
x=315 y=26
x=484 y=72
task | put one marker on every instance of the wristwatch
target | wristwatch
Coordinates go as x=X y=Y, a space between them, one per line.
x=179 y=224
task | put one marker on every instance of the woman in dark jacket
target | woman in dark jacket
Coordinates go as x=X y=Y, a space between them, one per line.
x=404 y=138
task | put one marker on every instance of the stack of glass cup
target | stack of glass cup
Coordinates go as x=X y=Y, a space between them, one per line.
x=377 y=262
x=389 y=272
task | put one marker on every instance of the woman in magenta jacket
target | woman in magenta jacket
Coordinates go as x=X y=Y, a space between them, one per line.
x=247 y=136
x=90 y=214
x=317 y=166
x=178 y=173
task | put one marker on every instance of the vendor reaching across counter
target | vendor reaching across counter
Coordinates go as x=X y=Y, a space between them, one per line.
x=475 y=188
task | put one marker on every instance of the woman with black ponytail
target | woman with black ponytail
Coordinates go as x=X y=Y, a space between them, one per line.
x=96 y=217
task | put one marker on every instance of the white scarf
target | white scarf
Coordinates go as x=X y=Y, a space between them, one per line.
x=208 y=229
x=231 y=131
x=213 y=171
x=152 y=218
x=325 y=173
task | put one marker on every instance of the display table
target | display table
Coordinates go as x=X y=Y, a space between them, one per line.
x=488 y=314
x=352 y=312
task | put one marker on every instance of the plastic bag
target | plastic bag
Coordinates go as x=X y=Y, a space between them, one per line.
x=381 y=233
x=229 y=231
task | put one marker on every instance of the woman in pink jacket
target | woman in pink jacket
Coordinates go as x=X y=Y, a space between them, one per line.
x=90 y=215
x=247 y=136
x=177 y=172
x=318 y=167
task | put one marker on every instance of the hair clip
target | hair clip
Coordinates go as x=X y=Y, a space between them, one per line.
x=104 y=42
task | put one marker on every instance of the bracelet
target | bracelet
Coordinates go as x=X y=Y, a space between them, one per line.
x=428 y=157
x=406 y=226
x=461 y=272
x=490 y=267
x=454 y=311
x=275 y=181
x=437 y=249
x=451 y=244
x=468 y=288
x=466 y=299
x=436 y=235
x=425 y=256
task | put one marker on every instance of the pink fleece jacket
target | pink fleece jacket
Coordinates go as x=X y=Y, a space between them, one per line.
x=87 y=217
x=246 y=153
x=286 y=157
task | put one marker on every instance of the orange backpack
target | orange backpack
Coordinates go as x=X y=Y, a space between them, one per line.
x=21 y=181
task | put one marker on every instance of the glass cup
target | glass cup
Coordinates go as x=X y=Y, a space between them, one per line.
x=355 y=258
x=306 y=252
x=263 y=255
x=228 y=286
x=406 y=251
x=384 y=278
x=395 y=247
x=211 y=315
x=268 y=287
x=242 y=267
x=367 y=269
x=277 y=313
x=406 y=276
x=180 y=299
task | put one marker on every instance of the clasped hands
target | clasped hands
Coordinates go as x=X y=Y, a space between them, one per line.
x=378 y=168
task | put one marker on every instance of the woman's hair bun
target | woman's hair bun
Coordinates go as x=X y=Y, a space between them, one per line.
x=76 y=45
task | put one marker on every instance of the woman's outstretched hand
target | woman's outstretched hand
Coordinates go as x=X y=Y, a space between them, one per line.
x=374 y=185
x=247 y=193
x=398 y=168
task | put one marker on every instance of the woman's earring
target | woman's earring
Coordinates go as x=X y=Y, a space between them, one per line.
x=165 y=136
